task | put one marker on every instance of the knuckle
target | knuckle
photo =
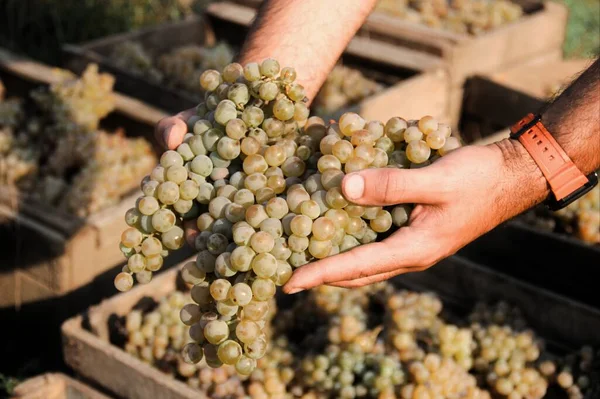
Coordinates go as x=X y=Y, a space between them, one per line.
x=391 y=186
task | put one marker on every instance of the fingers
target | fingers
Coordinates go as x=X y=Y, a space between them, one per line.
x=401 y=251
x=191 y=231
x=169 y=131
x=361 y=282
x=390 y=186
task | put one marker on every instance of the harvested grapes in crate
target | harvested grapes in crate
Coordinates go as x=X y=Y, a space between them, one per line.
x=262 y=182
x=472 y=17
x=179 y=69
x=53 y=150
x=372 y=342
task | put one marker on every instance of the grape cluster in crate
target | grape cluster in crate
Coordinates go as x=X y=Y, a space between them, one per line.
x=52 y=148
x=372 y=342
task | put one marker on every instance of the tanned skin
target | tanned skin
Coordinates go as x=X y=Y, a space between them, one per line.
x=458 y=198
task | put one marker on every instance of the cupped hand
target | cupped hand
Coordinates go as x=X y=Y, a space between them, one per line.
x=169 y=133
x=458 y=198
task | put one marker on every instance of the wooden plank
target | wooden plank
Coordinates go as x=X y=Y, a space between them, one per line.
x=55 y=386
x=91 y=355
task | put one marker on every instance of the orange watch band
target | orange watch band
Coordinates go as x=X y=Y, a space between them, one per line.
x=563 y=176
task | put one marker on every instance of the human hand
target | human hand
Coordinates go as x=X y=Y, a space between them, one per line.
x=459 y=197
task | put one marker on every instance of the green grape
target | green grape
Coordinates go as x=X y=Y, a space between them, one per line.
x=288 y=75
x=428 y=124
x=301 y=225
x=216 y=207
x=436 y=140
x=205 y=261
x=335 y=199
x=201 y=126
x=313 y=183
x=319 y=249
x=225 y=112
x=245 y=365
x=283 y=109
x=274 y=155
x=148 y=205
x=264 y=194
x=256 y=310
x=188 y=190
x=259 y=135
x=296 y=92
x=151 y=246
x=228 y=148
x=249 y=146
x=412 y=133
x=268 y=91
x=381 y=159
x=277 y=184
x=210 y=80
x=371 y=212
x=244 y=197
x=255 y=182
x=269 y=68
x=381 y=223
x=253 y=116
x=235 y=213
x=219 y=162
x=202 y=165
x=227 y=191
x=236 y=129
x=247 y=331
x=350 y=122
x=301 y=112
x=339 y=217
x=210 y=140
x=255 y=214
x=219 y=289
x=132 y=216
x=385 y=144
x=163 y=220
x=283 y=273
x=444 y=129
x=418 y=151
x=263 y=289
x=323 y=229
x=298 y=259
x=451 y=144
x=348 y=243
x=192 y=353
x=310 y=208
x=242 y=232
x=280 y=250
x=298 y=243
x=328 y=162
x=400 y=215
x=240 y=294
x=327 y=143
x=241 y=258
x=219 y=174
x=143 y=277
x=273 y=127
x=293 y=167
x=201 y=295
x=320 y=197
x=154 y=262
x=276 y=208
x=216 y=331
x=191 y=274
x=145 y=224
x=170 y=158
x=365 y=152
x=190 y=314
x=205 y=222
x=223 y=226
x=376 y=129
x=264 y=265
x=262 y=242
x=173 y=239
x=211 y=103
x=136 y=263
x=342 y=150
x=237 y=180
x=197 y=145
x=239 y=94
x=303 y=152
x=255 y=163
x=167 y=193
x=131 y=238
x=394 y=129
x=229 y=352
x=355 y=164
x=149 y=188
x=362 y=137
x=232 y=72
x=123 y=281
x=271 y=226
x=332 y=178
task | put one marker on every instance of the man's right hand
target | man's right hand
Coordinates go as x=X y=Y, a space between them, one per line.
x=169 y=131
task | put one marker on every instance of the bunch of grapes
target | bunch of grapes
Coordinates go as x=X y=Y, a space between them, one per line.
x=462 y=16
x=262 y=180
x=344 y=87
x=133 y=57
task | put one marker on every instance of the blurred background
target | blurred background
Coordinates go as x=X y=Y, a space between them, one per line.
x=83 y=82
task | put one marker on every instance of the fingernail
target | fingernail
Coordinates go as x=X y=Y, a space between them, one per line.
x=295 y=291
x=354 y=187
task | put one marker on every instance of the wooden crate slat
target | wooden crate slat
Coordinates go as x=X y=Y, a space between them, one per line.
x=55 y=386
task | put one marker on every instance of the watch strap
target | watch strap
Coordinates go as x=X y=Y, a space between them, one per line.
x=563 y=176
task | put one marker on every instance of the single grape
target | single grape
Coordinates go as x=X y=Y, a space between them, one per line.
x=451 y=144
x=170 y=158
x=250 y=146
x=400 y=215
x=216 y=331
x=253 y=116
x=298 y=243
x=240 y=95
x=264 y=265
x=123 y=281
x=412 y=133
x=428 y=124
x=190 y=314
x=323 y=229
x=283 y=109
x=273 y=127
x=174 y=238
x=255 y=214
x=136 y=263
x=228 y=148
x=225 y=111
x=365 y=152
x=197 y=145
x=319 y=249
x=269 y=68
x=210 y=80
x=191 y=274
x=154 y=262
x=148 y=205
x=355 y=164
x=395 y=128
x=342 y=150
x=351 y=122
x=263 y=289
x=271 y=226
x=274 y=155
x=276 y=208
x=255 y=163
x=418 y=151
x=131 y=238
x=262 y=242
x=245 y=365
x=211 y=138
x=381 y=223
x=268 y=91
x=235 y=213
x=301 y=225
x=241 y=258
x=219 y=289
x=301 y=112
x=240 y=294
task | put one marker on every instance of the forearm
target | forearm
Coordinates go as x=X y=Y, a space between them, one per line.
x=308 y=35
x=573 y=119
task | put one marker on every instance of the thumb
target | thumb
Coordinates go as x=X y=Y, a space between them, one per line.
x=390 y=186
x=170 y=131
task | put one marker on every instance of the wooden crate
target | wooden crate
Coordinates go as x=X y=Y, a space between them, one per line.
x=422 y=86
x=459 y=282
x=538 y=36
x=492 y=103
x=50 y=253
x=55 y=386
x=415 y=75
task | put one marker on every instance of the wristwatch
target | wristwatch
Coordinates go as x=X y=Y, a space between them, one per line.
x=567 y=183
